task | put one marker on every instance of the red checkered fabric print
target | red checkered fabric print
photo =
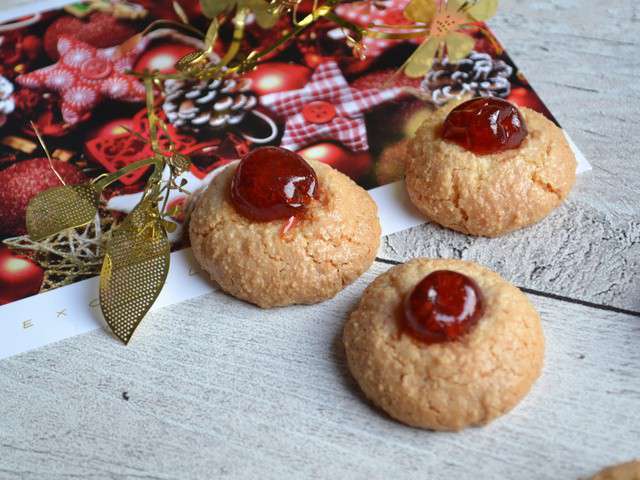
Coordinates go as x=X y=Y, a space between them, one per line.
x=327 y=84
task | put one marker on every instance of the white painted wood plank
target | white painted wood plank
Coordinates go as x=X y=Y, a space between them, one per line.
x=220 y=390
x=217 y=387
x=578 y=252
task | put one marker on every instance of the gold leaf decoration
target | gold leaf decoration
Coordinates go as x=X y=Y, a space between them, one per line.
x=421 y=10
x=135 y=267
x=445 y=22
x=266 y=16
x=180 y=163
x=74 y=206
x=482 y=10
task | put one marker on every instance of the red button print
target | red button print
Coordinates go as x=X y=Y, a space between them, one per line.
x=96 y=68
x=319 y=112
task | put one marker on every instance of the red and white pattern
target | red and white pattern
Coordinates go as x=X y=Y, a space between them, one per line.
x=85 y=76
x=345 y=122
x=369 y=13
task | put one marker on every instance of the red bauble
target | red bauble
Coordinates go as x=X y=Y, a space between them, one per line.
x=24 y=180
x=485 y=126
x=17 y=52
x=273 y=183
x=352 y=164
x=42 y=108
x=31 y=46
x=162 y=56
x=165 y=10
x=442 y=307
x=526 y=97
x=113 y=127
x=98 y=29
x=275 y=77
x=116 y=150
x=19 y=276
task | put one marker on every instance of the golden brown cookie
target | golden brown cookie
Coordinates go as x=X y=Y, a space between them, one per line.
x=332 y=244
x=454 y=384
x=390 y=165
x=492 y=194
x=624 y=471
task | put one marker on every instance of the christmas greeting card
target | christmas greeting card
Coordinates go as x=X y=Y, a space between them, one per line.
x=69 y=74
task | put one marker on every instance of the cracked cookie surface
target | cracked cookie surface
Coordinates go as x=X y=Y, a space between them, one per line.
x=451 y=385
x=334 y=242
x=489 y=195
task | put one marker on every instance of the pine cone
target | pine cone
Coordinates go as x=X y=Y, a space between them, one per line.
x=477 y=75
x=213 y=105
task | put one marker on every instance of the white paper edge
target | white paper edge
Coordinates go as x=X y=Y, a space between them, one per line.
x=68 y=311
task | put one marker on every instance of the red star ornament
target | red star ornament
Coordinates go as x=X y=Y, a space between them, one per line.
x=327 y=108
x=85 y=76
x=365 y=14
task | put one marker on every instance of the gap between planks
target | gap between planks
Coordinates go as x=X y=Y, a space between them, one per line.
x=538 y=293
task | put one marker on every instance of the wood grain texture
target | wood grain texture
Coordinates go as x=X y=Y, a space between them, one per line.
x=220 y=389
x=582 y=58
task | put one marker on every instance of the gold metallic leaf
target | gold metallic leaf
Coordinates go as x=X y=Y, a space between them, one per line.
x=180 y=12
x=213 y=8
x=135 y=267
x=421 y=11
x=181 y=163
x=60 y=208
x=459 y=46
x=482 y=10
x=265 y=16
x=420 y=61
x=192 y=62
x=212 y=34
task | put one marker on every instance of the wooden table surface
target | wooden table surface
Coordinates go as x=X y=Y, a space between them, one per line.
x=215 y=388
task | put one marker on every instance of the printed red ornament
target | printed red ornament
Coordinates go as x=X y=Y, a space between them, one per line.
x=85 y=76
x=98 y=29
x=165 y=10
x=117 y=126
x=526 y=97
x=278 y=77
x=43 y=109
x=20 y=276
x=24 y=180
x=17 y=52
x=114 y=151
x=352 y=164
x=162 y=56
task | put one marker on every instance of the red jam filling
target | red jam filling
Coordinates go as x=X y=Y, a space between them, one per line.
x=485 y=125
x=273 y=183
x=444 y=306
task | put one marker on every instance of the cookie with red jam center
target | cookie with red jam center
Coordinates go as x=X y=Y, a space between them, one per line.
x=442 y=307
x=272 y=183
x=487 y=167
x=485 y=126
x=275 y=230
x=444 y=344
